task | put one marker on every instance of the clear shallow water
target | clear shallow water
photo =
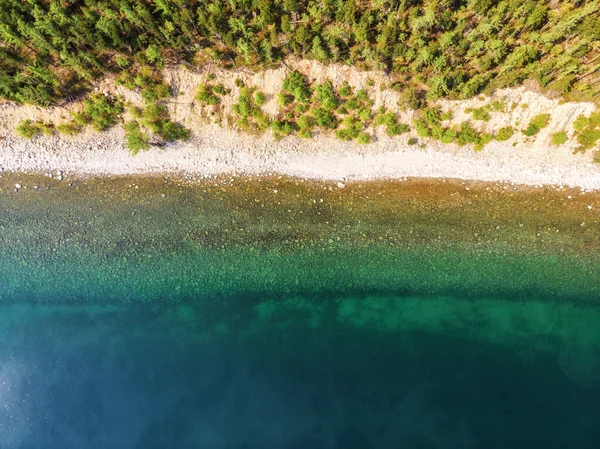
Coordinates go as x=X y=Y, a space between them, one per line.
x=219 y=317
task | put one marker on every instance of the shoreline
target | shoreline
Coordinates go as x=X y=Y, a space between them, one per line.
x=214 y=151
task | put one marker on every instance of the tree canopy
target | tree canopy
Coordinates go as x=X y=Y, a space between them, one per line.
x=51 y=50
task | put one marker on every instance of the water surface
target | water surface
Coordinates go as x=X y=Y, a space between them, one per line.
x=276 y=313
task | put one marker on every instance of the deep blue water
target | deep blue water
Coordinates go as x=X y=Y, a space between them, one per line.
x=186 y=377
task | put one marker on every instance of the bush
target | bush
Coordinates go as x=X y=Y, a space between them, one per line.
x=396 y=129
x=68 y=129
x=505 y=133
x=363 y=138
x=498 y=106
x=346 y=90
x=171 y=131
x=259 y=98
x=326 y=95
x=27 y=129
x=296 y=84
x=588 y=138
x=205 y=95
x=101 y=111
x=559 y=138
x=47 y=129
x=324 y=118
x=412 y=141
x=284 y=99
x=536 y=124
x=432 y=116
x=422 y=128
x=135 y=139
x=467 y=134
x=386 y=118
x=482 y=114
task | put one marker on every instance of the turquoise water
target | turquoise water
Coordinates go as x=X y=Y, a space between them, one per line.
x=149 y=313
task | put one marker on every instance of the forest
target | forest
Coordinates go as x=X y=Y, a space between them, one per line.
x=52 y=51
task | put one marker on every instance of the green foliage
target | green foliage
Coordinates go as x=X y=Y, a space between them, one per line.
x=559 y=138
x=482 y=113
x=282 y=128
x=27 y=129
x=251 y=117
x=135 y=138
x=498 y=106
x=324 y=118
x=155 y=117
x=363 y=138
x=147 y=80
x=100 y=111
x=467 y=134
x=205 y=95
x=296 y=84
x=326 y=95
x=505 y=133
x=536 y=124
x=588 y=138
x=259 y=98
x=396 y=129
x=51 y=50
x=68 y=129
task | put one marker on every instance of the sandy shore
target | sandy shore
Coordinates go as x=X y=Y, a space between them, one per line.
x=215 y=151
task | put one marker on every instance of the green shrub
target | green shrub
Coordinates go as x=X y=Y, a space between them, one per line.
x=326 y=95
x=101 y=111
x=324 y=118
x=346 y=90
x=484 y=139
x=306 y=122
x=432 y=116
x=447 y=115
x=362 y=95
x=588 y=138
x=282 y=128
x=135 y=139
x=482 y=114
x=68 y=129
x=284 y=99
x=386 y=118
x=219 y=89
x=365 y=115
x=559 y=138
x=205 y=95
x=305 y=133
x=46 y=129
x=467 y=134
x=412 y=141
x=396 y=129
x=352 y=104
x=505 y=133
x=296 y=84
x=448 y=135
x=422 y=128
x=498 y=106
x=27 y=129
x=363 y=138
x=259 y=98
x=171 y=131
x=536 y=124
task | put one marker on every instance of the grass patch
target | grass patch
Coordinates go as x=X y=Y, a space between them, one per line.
x=536 y=124
x=505 y=133
x=559 y=138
